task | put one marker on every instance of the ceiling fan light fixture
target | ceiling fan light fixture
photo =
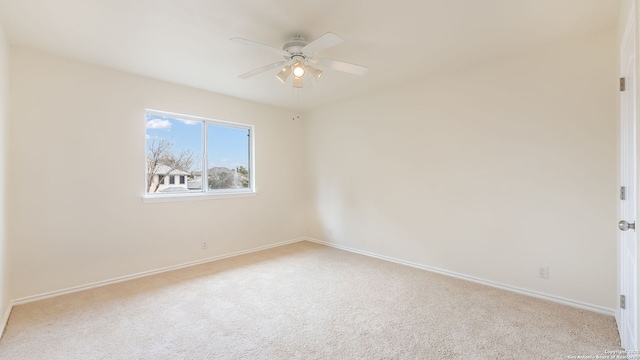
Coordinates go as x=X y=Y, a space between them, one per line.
x=298 y=69
x=316 y=73
x=283 y=75
x=297 y=82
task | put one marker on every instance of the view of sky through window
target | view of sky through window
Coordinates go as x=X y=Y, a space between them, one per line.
x=227 y=145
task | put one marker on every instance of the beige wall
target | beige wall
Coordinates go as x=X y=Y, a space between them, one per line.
x=5 y=297
x=73 y=230
x=489 y=172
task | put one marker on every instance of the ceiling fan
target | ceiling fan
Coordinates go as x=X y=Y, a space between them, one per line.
x=299 y=59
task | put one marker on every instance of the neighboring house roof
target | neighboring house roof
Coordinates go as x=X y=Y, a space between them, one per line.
x=164 y=170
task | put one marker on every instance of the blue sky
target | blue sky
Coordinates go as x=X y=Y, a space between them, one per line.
x=227 y=147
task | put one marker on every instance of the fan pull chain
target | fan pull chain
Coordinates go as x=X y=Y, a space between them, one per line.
x=296 y=98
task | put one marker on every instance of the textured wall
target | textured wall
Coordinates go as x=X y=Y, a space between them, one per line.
x=489 y=171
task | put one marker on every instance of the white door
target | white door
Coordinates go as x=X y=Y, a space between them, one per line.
x=627 y=321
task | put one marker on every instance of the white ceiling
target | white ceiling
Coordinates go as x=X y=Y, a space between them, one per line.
x=187 y=41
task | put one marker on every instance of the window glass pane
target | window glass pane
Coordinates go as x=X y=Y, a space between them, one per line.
x=228 y=157
x=173 y=149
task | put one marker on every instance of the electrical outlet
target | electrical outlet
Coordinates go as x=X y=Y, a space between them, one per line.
x=543 y=272
x=204 y=245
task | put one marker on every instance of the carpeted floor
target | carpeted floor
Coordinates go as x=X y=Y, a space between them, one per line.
x=302 y=301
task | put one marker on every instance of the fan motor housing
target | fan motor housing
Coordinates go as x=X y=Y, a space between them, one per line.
x=294 y=46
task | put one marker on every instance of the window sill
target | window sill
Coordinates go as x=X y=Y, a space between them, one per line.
x=195 y=197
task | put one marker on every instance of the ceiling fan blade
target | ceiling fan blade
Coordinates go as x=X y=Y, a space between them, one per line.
x=259 y=70
x=340 y=66
x=260 y=46
x=323 y=42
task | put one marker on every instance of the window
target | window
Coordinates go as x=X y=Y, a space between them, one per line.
x=187 y=156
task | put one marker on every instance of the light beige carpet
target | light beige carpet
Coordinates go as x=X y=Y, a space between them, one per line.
x=302 y=301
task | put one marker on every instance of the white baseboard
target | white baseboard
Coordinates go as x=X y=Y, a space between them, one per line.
x=556 y=299
x=51 y=294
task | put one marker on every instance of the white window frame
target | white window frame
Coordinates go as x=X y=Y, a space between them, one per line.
x=205 y=193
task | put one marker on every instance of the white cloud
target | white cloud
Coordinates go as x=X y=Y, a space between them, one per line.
x=158 y=124
x=189 y=122
x=147 y=136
